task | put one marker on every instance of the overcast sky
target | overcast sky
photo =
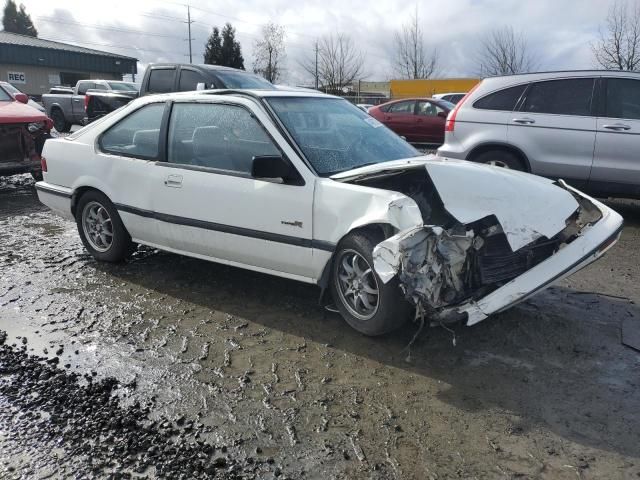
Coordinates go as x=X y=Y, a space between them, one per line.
x=559 y=31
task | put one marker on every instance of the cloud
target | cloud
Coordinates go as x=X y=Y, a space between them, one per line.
x=155 y=31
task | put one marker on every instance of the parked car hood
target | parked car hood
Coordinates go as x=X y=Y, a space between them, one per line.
x=526 y=206
x=16 y=112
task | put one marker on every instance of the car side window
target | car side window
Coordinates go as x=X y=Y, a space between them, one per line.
x=218 y=136
x=503 y=100
x=136 y=135
x=623 y=98
x=189 y=80
x=161 y=80
x=428 y=109
x=401 y=107
x=561 y=97
x=84 y=86
x=99 y=86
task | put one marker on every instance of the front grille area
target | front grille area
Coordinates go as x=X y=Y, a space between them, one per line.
x=498 y=264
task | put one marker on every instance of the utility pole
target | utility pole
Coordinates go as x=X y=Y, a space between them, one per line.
x=189 y=22
x=316 y=65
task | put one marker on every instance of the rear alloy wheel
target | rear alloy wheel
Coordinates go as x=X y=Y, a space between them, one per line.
x=101 y=228
x=364 y=301
x=500 y=158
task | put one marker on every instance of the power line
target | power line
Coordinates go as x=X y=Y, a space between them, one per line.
x=99 y=27
x=109 y=45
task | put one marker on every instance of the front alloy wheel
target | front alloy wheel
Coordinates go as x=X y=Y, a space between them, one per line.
x=357 y=285
x=366 y=303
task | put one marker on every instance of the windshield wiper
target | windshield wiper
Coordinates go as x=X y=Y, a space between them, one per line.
x=329 y=174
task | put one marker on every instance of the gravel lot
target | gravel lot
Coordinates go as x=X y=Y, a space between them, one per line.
x=173 y=367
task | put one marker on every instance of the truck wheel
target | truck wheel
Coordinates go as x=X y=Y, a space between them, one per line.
x=364 y=301
x=101 y=228
x=59 y=122
x=500 y=158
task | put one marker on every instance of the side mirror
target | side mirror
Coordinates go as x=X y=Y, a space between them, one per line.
x=201 y=86
x=272 y=167
x=443 y=114
x=22 y=97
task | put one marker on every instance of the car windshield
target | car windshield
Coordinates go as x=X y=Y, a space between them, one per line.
x=4 y=96
x=233 y=79
x=11 y=89
x=125 y=86
x=447 y=104
x=336 y=136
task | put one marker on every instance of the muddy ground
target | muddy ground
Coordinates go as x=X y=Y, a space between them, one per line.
x=168 y=365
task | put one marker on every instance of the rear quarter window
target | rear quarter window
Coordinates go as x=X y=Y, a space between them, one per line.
x=136 y=135
x=504 y=100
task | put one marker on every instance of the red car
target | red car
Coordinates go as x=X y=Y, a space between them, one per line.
x=418 y=120
x=23 y=131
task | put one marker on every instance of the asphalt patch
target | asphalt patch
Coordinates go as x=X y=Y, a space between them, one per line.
x=66 y=415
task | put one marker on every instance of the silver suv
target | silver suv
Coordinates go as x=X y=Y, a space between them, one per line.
x=581 y=126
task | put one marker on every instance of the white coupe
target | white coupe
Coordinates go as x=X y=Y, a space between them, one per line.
x=309 y=187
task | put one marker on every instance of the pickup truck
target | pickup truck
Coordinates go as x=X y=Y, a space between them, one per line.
x=66 y=110
x=174 y=77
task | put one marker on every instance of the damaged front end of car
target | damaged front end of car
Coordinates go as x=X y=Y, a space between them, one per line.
x=21 y=146
x=490 y=238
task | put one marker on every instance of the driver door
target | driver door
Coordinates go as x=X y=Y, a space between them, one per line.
x=210 y=204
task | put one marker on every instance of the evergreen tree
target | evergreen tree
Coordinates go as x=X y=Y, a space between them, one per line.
x=231 y=51
x=213 y=48
x=18 y=20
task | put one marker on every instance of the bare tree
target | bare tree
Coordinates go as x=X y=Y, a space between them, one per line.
x=618 y=46
x=411 y=57
x=269 y=52
x=504 y=52
x=337 y=61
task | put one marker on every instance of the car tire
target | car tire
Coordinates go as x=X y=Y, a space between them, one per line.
x=501 y=158
x=59 y=122
x=101 y=229
x=391 y=308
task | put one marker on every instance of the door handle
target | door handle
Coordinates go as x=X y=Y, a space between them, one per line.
x=617 y=127
x=524 y=121
x=174 y=181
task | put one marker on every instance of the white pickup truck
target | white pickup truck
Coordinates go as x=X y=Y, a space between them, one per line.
x=69 y=109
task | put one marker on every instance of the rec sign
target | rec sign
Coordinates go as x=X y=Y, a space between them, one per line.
x=16 y=77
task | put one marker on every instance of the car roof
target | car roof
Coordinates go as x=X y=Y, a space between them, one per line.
x=568 y=73
x=255 y=93
x=199 y=66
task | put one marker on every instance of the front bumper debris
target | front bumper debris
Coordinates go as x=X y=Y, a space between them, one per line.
x=441 y=272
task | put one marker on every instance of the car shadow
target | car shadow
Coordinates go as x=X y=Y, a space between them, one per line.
x=554 y=362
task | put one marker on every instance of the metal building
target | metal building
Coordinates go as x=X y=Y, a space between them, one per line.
x=34 y=65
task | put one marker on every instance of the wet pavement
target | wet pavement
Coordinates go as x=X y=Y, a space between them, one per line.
x=168 y=366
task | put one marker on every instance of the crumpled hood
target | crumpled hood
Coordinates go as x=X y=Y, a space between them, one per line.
x=526 y=206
